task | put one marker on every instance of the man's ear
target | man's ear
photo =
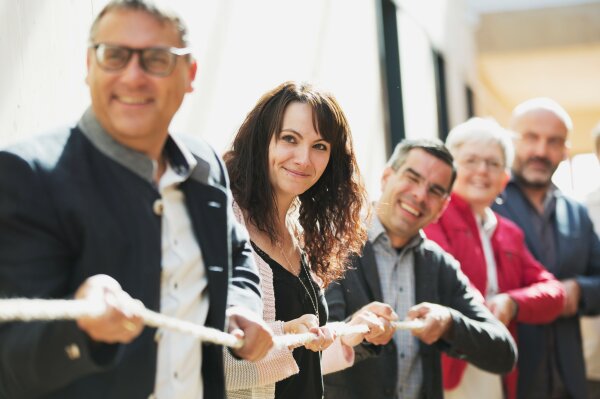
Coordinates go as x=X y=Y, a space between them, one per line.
x=193 y=68
x=88 y=62
x=505 y=179
x=387 y=173
x=567 y=148
x=442 y=209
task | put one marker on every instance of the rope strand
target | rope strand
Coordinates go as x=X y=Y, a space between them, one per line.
x=20 y=309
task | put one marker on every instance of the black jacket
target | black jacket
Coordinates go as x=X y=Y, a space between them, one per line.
x=76 y=203
x=476 y=335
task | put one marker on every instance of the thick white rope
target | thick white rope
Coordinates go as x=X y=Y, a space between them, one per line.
x=60 y=309
x=340 y=329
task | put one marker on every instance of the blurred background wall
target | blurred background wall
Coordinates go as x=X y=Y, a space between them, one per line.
x=402 y=68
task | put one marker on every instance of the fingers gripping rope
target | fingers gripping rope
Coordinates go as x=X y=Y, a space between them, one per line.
x=60 y=309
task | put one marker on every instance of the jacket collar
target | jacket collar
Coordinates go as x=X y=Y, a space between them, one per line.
x=180 y=158
x=553 y=193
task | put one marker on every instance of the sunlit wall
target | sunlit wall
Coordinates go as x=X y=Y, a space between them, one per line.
x=243 y=49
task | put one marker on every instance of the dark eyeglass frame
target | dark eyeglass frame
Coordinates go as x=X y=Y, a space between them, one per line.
x=143 y=54
x=434 y=191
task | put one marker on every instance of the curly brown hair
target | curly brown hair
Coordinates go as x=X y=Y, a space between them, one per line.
x=329 y=211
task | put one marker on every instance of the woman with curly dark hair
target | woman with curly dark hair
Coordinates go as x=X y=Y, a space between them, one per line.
x=297 y=189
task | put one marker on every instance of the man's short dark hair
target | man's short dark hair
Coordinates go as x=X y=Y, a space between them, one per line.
x=434 y=147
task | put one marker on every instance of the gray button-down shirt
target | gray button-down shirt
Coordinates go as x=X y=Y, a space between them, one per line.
x=396 y=274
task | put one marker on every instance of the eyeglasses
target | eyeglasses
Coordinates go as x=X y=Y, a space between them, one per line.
x=472 y=163
x=158 y=61
x=414 y=179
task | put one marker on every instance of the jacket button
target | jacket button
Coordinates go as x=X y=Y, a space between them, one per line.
x=157 y=207
x=73 y=351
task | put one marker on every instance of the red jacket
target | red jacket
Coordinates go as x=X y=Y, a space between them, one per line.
x=538 y=294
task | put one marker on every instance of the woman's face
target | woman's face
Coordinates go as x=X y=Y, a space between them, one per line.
x=480 y=173
x=299 y=155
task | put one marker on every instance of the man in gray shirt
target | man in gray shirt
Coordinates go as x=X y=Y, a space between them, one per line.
x=419 y=280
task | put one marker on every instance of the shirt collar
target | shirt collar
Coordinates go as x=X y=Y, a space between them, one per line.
x=179 y=157
x=489 y=224
x=378 y=234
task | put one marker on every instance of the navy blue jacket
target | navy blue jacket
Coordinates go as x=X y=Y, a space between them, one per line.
x=578 y=256
x=76 y=203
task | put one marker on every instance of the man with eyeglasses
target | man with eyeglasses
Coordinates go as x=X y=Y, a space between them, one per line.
x=401 y=267
x=117 y=207
x=560 y=235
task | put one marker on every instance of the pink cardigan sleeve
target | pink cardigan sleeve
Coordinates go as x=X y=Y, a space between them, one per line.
x=279 y=363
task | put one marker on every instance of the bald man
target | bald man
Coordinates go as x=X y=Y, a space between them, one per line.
x=559 y=233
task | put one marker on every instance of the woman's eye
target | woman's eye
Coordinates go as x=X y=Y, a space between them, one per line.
x=320 y=146
x=288 y=138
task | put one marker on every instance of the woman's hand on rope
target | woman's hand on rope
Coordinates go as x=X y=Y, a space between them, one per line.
x=120 y=322
x=325 y=337
x=257 y=335
x=378 y=317
x=309 y=323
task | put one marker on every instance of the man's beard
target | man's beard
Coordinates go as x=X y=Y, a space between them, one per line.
x=536 y=185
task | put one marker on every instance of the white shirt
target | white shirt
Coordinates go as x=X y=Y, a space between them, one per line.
x=486 y=229
x=184 y=294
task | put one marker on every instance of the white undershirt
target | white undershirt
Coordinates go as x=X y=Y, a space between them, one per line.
x=486 y=229
x=184 y=295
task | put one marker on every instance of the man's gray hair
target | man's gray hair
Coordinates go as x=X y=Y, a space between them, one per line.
x=157 y=9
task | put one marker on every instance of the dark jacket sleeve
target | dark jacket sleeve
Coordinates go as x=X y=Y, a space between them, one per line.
x=341 y=310
x=244 y=288
x=35 y=262
x=589 y=282
x=540 y=297
x=475 y=335
x=244 y=285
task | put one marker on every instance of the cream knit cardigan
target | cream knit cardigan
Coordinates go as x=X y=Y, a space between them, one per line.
x=256 y=380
